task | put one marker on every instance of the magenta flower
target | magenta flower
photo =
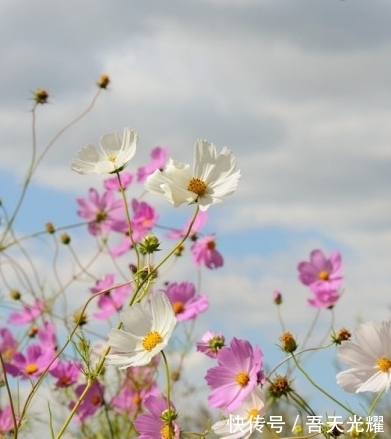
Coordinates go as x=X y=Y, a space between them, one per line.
x=321 y=270
x=237 y=373
x=211 y=343
x=104 y=213
x=67 y=373
x=47 y=336
x=324 y=296
x=129 y=400
x=144 y=218
x=33 y=364
x=28 y=314
x=112 y=301
x=6 y=420
x=8 y=344
x=160 y=422
x=185 y=303
x=91 y=403
x=204 y=252
x=159 y=157
x=197 y=226
x=112 y=183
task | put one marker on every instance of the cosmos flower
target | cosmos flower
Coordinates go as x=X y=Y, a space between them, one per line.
x=196 y=227
x=184 y=300
x=213 y=177
x=160 y=422
x=159 y=157
x=204 y=252
x=92 y=401
x=28 y=314
x=243 y=421
x=147 y=327
x=237 y=374
x=67 y=373
x=369 y=358
x=211 y=343
x=112 y=156
x=321 y=270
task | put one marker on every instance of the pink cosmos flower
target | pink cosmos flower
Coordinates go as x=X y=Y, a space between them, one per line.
x=112 y=184
x=156 y=424
x=33 y=364
x=159 y=157
x=130 y=400
x=47 y=336
x=91 y=403
x=185 y=303
x=211 y=343
x=321 y=270
x=104 y=213
x=197 y=226
x=6 y=420
x=8 y=344
x=28 y=314
x=113 y=300
x=67 y=373
x=237 y=373
x=204 y=252
x=324 y=296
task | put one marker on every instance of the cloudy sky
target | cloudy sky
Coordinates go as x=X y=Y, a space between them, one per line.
x=299 y=91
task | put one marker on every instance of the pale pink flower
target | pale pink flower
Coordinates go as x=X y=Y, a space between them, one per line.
x=6 y=420
x=104 y=213
x=204 y=252
x=112 y=183
x=8 y=344
x=211 y=343
x=199 y=222
x=28 y=314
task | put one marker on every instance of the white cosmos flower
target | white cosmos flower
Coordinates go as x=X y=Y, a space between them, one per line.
x=112 y=156
x=212 y=177
x=147 y=327
x=369 y=358
x=243 y=421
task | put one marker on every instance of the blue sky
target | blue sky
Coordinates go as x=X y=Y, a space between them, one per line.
x=299 y=91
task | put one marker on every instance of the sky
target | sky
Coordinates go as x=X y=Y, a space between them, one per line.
x=299 y=91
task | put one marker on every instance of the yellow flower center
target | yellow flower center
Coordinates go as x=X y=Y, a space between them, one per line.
x=112 y=158
x=253 y=413
x=152 y=339
x=178 y=307
x=197 y=186
x=384 y=364
x=323 y=275
x=31 y=368
x=242 y=378
x=167 y=432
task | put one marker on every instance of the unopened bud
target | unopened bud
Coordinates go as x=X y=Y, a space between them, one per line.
x=288 y=343
x=150 y=244
x=33 y=331
x=340 y=336
x=65 y=238
x=49 y=227
x=277 y=297
x=41 y=96
x=15 y=294
x=179 y=250
x=103 y=81
x=80 y=318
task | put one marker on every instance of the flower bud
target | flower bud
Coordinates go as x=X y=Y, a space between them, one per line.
x=15 y=294
x=80 y=318
x=340 y=336
x=49 y=227
x=277 y=297
x=288 y=343
x=149 y=245
x=33 y=331
x=103 y=81
x=65 y=238
x=41 y=96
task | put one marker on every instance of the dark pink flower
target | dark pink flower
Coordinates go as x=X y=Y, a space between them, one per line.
x=197 y=226
x=111 y=301
x=33 y=364
x=237 y=373
x=156 y=424
x=28 y=314
x=104 y=213
x=144 y=218
x=91 y=403
x=67 y=373
x=185 y=303
x=211 y=343
x=204 y=252
x=112 y=183
x=159 y=157
x=321 y=270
